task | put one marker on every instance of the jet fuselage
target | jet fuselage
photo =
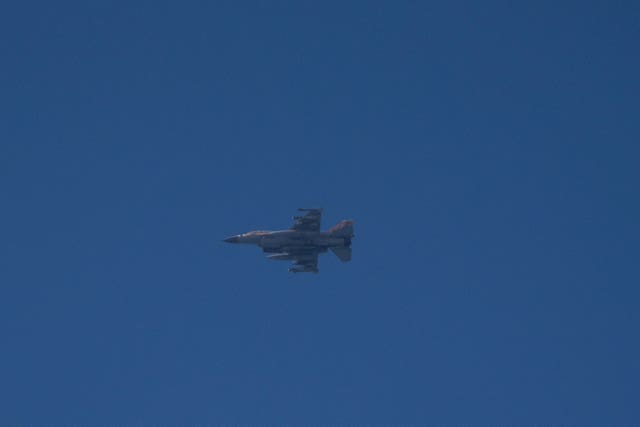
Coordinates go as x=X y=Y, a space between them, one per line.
x=278 y=240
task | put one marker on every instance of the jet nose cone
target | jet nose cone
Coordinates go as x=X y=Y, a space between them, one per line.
x=232 y=239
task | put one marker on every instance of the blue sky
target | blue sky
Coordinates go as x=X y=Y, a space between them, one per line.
x=488 y=153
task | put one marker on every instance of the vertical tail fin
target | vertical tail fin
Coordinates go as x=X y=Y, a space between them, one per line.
x=342 y=229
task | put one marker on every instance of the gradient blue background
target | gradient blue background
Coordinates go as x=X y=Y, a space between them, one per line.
x=488 y=152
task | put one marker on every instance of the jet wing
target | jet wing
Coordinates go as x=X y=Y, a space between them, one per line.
x=304 y=262
x=310 y=221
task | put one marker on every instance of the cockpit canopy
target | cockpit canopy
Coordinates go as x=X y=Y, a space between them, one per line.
x=255 y=233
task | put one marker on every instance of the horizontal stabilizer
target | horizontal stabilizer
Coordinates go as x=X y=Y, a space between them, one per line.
x=342 y=252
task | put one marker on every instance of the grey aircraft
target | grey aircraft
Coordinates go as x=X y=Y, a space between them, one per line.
x=303 y=242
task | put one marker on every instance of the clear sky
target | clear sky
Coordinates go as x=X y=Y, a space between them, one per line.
x=488 y=152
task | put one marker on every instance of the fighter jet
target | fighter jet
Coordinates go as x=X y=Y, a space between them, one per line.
x=303 y=242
